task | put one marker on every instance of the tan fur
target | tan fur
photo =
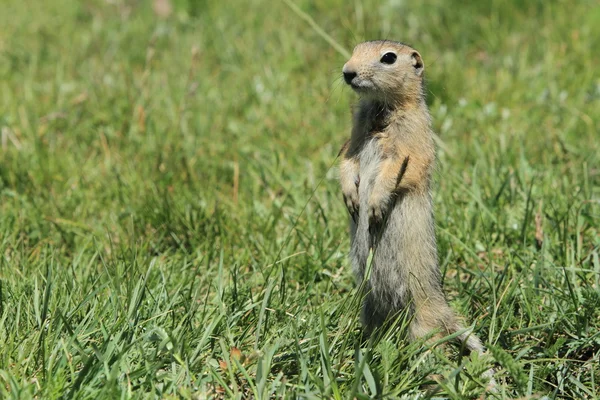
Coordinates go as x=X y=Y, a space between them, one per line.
x=385 y=173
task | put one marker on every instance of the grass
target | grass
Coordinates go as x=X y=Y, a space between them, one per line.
x=171 y=224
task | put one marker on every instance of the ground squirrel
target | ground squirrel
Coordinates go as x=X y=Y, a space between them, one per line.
x=385 y=172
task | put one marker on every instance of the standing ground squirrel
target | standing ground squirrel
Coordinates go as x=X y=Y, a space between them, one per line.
x=386 y=173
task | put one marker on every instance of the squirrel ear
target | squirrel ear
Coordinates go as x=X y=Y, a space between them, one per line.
x=417 y=63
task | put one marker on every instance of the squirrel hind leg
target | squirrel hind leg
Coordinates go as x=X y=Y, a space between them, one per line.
x=359 y=249
x=371 y=316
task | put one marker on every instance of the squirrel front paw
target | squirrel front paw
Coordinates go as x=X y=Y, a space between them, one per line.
x=378 y=207
x=375 y=214
x=352 y=203
x=350 y=183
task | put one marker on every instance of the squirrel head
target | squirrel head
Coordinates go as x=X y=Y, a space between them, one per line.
x=385 y=71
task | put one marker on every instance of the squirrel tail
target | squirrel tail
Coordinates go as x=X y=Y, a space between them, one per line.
x=472 y=343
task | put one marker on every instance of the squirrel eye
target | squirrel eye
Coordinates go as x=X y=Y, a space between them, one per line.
x=389 y=58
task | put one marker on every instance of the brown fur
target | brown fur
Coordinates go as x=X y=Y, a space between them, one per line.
x=385 y=173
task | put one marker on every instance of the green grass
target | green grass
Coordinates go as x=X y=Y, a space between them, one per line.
x=171 y=224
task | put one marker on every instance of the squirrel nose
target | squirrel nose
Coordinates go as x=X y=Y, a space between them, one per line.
x=348 y=76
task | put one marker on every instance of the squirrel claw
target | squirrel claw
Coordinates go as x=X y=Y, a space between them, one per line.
x=379 y=208
x=375 y=215
x=375 y=219
x=352 y=206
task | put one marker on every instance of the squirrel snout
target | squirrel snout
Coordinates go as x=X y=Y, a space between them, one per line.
x=348 y=76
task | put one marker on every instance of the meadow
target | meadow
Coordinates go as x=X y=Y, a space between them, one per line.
x=171 y=224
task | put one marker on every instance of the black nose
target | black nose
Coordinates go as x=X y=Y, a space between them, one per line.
x=348 y=76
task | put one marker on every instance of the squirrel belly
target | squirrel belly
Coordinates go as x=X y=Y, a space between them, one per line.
x=404 y=264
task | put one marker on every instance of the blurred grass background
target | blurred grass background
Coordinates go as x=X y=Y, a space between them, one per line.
x=171 y=223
